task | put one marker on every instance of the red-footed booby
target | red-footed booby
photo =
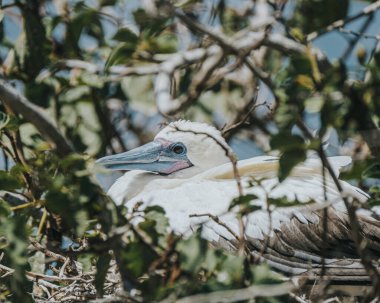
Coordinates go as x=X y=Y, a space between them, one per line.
x=187 y=171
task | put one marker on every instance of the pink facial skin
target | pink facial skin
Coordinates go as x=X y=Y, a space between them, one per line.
x=176 y=166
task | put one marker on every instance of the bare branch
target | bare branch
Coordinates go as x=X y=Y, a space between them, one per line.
x=370 y=9
x=35 y=115
x=165 y=103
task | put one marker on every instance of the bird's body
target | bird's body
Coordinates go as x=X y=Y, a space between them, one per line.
x=188 y=172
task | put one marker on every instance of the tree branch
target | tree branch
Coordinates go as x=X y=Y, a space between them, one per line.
x=35 y=115
x=370 y=9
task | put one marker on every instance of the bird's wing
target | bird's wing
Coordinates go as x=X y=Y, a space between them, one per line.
x=292 y=238
x=267 y=166
x=297 y=247
x=306 y=181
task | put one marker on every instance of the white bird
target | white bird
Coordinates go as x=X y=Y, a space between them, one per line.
x=187 y=171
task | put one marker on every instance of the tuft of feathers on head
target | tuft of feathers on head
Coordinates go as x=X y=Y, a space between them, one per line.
x=200 y=128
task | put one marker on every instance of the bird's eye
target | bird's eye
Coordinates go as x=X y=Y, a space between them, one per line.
x=179 y=149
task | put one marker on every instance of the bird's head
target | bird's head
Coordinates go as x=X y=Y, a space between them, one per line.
x=181 y=146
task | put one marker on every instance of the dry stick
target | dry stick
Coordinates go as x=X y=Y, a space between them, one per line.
x=325 y=225
x=351 y=210
x=35 y=115
x=9 y=271
x=370 y=9
x=63 y=268
x=39 y=277
x=46 y=252
x=297 y=298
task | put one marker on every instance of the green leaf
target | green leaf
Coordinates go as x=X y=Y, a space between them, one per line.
x=283 y=202
x=192 y=253
x=312 y=15
x=372 y=171
x=108 y=2
x=138 y=258
x=102 y=266
x=285 y=141
x=157 y=214
x=92 y=80
x=8 y=182
x=76 y=93
x=244 y=202
x=262 y=274
x=13 y=229
x=288 y=160
x=5 y=210
x=121 y=54
x=124 y=34
x=305 y=81
x=150 y=25
x=4 y=119
x=166 y=43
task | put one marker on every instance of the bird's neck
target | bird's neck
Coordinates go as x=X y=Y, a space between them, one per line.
x=132 y=183
x=186 y=173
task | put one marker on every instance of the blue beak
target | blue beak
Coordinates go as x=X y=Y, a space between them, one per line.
x=155 y=156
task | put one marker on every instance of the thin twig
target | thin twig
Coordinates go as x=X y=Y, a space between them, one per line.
x=47 y=252
x=359 y=34
x=244 y=119
x=355 y=40
x=370 y=9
